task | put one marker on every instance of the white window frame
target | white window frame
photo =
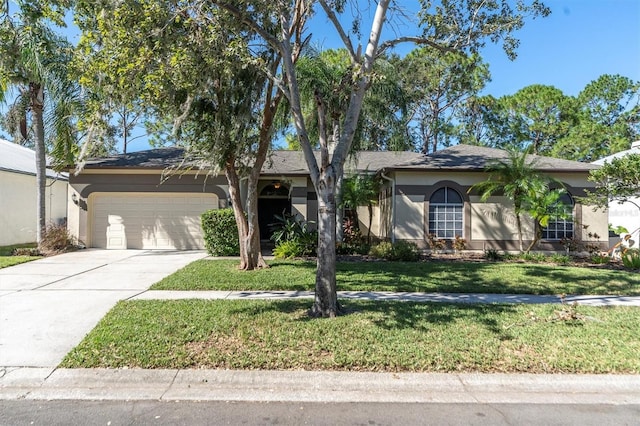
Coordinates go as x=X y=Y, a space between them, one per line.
x=457 y=209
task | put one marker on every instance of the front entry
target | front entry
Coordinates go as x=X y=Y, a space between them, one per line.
x=273 y=200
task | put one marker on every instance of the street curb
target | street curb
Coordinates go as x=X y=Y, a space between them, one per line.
x=316 y=386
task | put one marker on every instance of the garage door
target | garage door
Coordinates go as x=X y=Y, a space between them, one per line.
x=149 y=221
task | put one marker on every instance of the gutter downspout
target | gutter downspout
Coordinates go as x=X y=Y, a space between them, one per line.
x=393 y=205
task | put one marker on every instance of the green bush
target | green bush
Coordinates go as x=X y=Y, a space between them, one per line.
x=293 y=237
x=220 y=232
x=290 y=249
x=560 y=259
x=533 y=257
x=599 y=259
x=631 y=259
x=404 y=251
x=493 y=255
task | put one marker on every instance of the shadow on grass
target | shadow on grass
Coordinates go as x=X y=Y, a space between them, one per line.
x=472 y=277
x=605 y=281
x=392 y=315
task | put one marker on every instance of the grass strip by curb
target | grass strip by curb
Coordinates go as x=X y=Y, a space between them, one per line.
x=374 y=336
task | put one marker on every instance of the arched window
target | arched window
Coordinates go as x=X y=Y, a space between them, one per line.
x=445 y=213
x=561 y=223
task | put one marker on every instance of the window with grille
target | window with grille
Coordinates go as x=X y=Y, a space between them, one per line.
x=445 y=213
x=561 y=223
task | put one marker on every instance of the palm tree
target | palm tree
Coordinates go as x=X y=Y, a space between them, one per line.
x=33 y=61
x=518 y=179
x=360 y=190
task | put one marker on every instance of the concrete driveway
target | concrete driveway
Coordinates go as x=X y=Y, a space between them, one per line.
x=49 y=305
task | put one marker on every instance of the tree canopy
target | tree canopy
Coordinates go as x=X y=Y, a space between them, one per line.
x=617 y=180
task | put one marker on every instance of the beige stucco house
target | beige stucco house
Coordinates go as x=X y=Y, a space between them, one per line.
x=122 y=201
x=18 y=191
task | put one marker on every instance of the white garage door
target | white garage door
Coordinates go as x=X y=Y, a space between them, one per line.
x=149 y=221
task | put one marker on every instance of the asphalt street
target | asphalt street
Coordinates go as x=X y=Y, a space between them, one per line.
x=114 y=413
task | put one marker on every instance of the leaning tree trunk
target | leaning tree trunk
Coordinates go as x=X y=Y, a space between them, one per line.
x=37 y=107
x=326 y=297
x=339 y=211
x=238 y=211
x=519 y=225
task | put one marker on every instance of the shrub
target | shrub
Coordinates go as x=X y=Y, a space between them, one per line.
x=293 y=237
x=435 y=243
x=25 y=251
x=220 y=232
x=353 y=242
x=599 y=259
x=381 y=250
x=560 y=259
x=533 y=257
x=288 y=249
x=459 y=243
x=492 y=255
x=570 y=244
x=56 y=239
x=631 y=259
x=404 y=251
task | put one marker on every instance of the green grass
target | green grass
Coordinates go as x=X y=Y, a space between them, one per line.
x=6 y=259
x=375 y=336
x=434 y=276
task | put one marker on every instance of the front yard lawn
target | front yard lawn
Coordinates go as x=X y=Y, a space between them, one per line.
x=431 y=276
x=374 y=336
x=6 y=258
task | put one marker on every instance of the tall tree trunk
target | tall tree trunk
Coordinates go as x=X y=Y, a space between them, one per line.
x=248 y=228
x=37 y=107
x=339 y=211
x=370 y=207
x=238 y=210
x=519 y=225
x=326 y=298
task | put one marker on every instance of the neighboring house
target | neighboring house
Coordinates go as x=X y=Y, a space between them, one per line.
x=18 y=192
x=625 y=214
x=120 y=201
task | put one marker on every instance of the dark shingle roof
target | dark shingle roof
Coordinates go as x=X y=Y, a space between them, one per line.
x=470 y=157
x=459 y=157
x=158 y=158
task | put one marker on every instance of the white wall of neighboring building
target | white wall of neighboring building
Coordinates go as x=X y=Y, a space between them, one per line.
x=625 y=214
x=18 y=217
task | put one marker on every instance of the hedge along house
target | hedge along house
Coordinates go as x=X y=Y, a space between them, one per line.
x=120 y=202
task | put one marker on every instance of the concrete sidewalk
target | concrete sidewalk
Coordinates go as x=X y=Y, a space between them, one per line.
x=396 y=296
x=47 y=306
x=315 y=386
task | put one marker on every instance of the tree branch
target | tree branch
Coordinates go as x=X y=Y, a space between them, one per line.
x=416 y=40
x=343 y=35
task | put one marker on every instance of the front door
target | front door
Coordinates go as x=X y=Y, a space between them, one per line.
x=274 y=200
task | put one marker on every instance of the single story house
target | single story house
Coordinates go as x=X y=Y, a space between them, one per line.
x=625 y=214
x=128 y=200
x=18 y=192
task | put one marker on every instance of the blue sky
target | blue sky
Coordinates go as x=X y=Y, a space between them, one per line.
x=577 y=43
